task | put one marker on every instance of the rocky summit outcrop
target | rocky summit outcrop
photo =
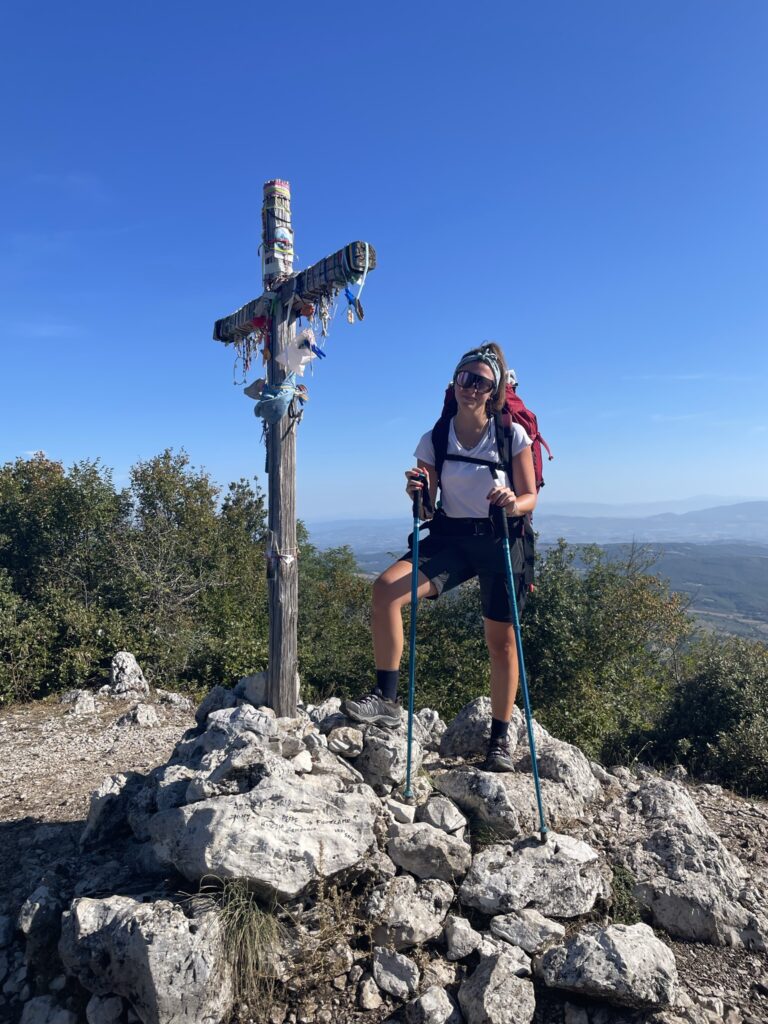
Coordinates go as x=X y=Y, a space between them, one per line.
x=271 y=870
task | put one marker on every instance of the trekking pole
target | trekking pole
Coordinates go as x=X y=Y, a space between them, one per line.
x=501 y=519
x=417 y=502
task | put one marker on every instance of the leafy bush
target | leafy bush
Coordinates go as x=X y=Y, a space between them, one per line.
x=717 y=721
x=601 y=638
x=25 y=641
x=335 y=652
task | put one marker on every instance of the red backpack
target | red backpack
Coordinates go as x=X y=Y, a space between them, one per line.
x=514 y=411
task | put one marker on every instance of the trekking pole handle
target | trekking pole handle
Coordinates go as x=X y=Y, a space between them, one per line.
x=418 y=495
x=499 y=518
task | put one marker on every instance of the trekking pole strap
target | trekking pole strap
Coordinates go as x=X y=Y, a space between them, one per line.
x=421 y=498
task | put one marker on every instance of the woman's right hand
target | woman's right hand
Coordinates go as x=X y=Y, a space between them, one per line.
x=416 y=481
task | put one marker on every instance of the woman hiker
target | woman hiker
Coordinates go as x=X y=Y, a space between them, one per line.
x=461 y=545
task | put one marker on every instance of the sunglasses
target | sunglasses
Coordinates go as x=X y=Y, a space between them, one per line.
x=474 y=382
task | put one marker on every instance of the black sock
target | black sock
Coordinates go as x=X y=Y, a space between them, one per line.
x=386 y=682
x=499 y=729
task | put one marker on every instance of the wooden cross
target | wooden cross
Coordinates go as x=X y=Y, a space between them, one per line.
x=270 y=320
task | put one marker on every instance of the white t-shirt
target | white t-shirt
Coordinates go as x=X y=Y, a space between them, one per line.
x=464 y=485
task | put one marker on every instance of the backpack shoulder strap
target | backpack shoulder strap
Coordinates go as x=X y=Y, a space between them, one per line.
x=440 y=443
x=503 y=423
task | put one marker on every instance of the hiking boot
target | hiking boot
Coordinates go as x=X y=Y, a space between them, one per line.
x=373 y=709
x=498 y=758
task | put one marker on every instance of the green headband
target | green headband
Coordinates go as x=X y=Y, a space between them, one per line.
x=480 y=355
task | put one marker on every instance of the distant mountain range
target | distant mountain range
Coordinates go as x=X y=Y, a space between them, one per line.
x=745 y=522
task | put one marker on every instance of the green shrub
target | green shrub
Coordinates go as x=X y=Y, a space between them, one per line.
x=717 y=721
x=624 y=907
x=25 y=644
x=602 y=639
x=335 y=650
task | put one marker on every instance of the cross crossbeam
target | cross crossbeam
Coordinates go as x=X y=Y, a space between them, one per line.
x=334 y=271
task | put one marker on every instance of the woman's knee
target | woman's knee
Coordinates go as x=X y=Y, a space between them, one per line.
x=388 y=590
x=501 y=641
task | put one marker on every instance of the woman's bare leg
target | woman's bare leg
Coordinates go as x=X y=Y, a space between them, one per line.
x=500 y=637
x=391 y=593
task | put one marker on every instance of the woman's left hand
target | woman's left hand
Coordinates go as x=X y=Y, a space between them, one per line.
x=501 y=496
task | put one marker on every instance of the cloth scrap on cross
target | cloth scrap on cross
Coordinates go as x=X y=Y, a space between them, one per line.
x=276 y=399
x=299 y=352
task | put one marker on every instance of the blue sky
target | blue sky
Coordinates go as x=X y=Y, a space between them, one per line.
x=582 y=181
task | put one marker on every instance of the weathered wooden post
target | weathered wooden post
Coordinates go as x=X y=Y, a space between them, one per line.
x=269 y=321
x=282 y=571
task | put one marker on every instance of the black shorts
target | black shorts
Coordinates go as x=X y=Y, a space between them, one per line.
x=448 y=561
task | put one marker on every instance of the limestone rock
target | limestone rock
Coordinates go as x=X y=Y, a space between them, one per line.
x=217 y=698
x=368 y=995
x=319 y=712
x=378 y=866
x=604 y=777
x=482 y=795
x=326 y=763
x=692 y=885
x=561 y=877
x=253 y=688
x=237 y=772
x=382 y=762
x=38 y=921
x=469 y=732
x=104 y=1010
x=624 y=964
x=346 y=741
x=313 y=740
x=173 y=699
x=562 y=762
x=81 y=702
x=108 y=808
x=395 y=974
x=495 y=994
x=302 y=762
x=226 y=728
x=460 y=937
x=290 y=731
x=171 y=785
x=170 y=967
x=45 y=1010
x=428 y=852
x=440 y=972
x=127 y=679
x=142 y=715
x=409 y=913
x=281 y=835
x=440 y=812
x=434 y=1006
x=528 y=929
x=433 y=728
x=403 y=813
x=540 y=734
